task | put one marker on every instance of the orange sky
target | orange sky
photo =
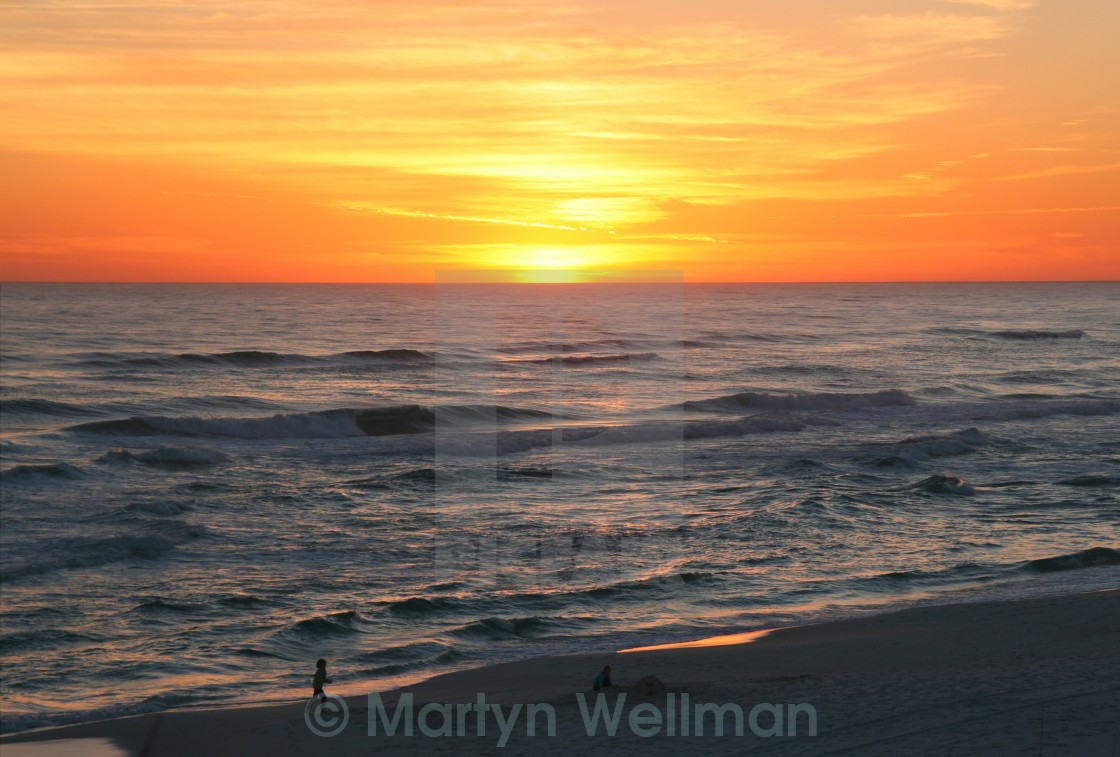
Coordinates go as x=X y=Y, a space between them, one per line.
x=733 y=140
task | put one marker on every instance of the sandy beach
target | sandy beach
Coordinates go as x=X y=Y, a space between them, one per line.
x=1035 y=676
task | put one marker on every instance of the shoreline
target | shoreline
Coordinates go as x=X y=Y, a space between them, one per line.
x=1010 y=589
x=998 y=676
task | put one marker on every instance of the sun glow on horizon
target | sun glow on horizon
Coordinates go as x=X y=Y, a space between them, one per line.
x=553 y=258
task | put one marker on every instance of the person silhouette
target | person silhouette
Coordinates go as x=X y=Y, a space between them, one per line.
x=320 y=679
x=603 y=679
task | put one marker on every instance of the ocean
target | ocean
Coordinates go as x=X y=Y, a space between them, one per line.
x=207 y=487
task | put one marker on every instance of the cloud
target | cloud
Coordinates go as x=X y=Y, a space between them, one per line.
x=932 y=29
x=1008 y=212
x=1070 y=170
x=998 y=5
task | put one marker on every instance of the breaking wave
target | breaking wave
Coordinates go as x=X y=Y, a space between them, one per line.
x=1087 y=558
x=944 y=483
x=382 y=421
x=908 y=452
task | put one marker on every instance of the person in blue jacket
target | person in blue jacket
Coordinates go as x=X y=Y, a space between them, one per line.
x=603 y=680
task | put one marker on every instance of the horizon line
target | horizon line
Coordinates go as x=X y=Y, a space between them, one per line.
x=581 y=283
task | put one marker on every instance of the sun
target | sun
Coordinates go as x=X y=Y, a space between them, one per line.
x=558 y=258
x=547 y=264
x=558 y=264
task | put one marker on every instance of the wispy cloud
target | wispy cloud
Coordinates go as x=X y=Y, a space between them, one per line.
x=1008 y=212
x=998 y=5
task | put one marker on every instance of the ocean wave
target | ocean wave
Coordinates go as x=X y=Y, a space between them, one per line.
x=421 y=609
x=43 y=638
x=1090 y=480
x=415 y=477
x=420 y=476
x=240 y=357
x=511 y=442
x=586 y=345
x=382 y=421
x=632 y=589
x=85 y=552
x=336 y=624
x=530 y=472
x=422 y=606
x=1012 y=334
x=755 y=424
x=399 y=658
x=402 y=355
x=1032 y=334
x=601 y=345
x=808 y=402
x=970 y=571
x=24 y=722
x=237 y=358
x=944 y=483
x=46 y=407
x=157 y=703
x=1030 y=409
x=253 y=652
x=909 y=452
x=219 y=402
x=187 y=456
x=327 y=423
x=576 y=360
x=244 y=601
x=415 y=419
x=725 y=336
x=30 y=473
x=502 y=628
x=158 y=507
x=1041 y=376
x=411 y=651
x=1087 y=558
x=161 y=606
x=167 y=456
x=246 y=358
x=456 y=421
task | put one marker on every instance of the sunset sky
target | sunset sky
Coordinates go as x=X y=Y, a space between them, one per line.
x=733 y=140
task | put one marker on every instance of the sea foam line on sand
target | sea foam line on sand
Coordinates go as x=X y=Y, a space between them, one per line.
x=992 y=678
